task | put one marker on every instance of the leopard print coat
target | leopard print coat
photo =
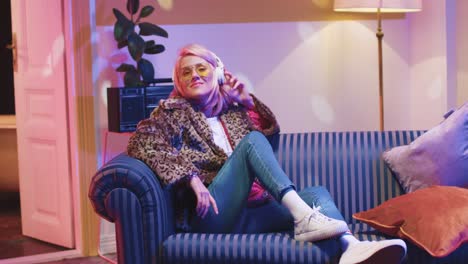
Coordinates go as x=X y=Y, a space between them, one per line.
x=176 y=142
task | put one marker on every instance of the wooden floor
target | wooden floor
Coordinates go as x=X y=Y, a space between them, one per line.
x=92 y=260
x=13 y=244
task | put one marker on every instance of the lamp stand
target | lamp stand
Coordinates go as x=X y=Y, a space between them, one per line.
x=380 y=35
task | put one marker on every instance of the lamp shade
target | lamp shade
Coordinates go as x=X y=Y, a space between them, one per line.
x=371 y=6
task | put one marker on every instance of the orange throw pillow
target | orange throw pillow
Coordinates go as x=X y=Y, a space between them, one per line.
x=434 y=218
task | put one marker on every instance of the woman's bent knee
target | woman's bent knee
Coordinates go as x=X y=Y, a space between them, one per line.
x=256 y=137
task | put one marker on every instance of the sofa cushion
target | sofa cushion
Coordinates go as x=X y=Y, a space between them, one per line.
x=434 y=218
x=270 y=248
x=438 y=157
x=247 y=248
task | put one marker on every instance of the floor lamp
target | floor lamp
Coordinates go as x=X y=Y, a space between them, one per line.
x=379 y=7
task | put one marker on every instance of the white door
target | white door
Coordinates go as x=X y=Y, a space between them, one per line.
x=41 y=117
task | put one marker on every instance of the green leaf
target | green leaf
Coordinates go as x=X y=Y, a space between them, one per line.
x=122 y=44
x=124 y=67
x=118 y=15
x=136 y=46
x=147 y=29
x=154 y=49
x=149 y=43
x=147 y=70
x=146 y=11
x=132 y=78
x=122 y=29
x=132 y=6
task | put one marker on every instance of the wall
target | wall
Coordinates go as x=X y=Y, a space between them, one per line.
x=317 y=74
x=462 y=51
x=170 y=12
x=439 y=46
x=428 y=72
x=9 y=180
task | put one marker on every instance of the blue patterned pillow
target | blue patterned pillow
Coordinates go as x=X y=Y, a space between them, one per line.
x=438 y=157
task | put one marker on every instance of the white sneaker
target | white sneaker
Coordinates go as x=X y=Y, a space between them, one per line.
x=316 y=226
x=386 y=252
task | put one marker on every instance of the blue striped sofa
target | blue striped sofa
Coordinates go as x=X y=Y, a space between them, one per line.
x=125 y=191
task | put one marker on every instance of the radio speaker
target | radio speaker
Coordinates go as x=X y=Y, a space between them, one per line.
x=127 y=106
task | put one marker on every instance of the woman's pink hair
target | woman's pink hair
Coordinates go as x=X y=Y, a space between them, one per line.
x=218 y=99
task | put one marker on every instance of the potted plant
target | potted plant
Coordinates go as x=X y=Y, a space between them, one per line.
x=142 y=72
x=141 y=93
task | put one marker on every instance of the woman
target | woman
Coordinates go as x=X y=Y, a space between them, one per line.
x=208 y=141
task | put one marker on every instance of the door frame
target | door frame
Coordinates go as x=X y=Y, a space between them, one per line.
x=78 y=28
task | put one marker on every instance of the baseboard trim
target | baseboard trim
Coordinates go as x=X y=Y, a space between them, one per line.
x=40 y=258
x=107 y=244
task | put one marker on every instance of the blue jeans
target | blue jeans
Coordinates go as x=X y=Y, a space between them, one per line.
x=254 y=158
x=274 y=217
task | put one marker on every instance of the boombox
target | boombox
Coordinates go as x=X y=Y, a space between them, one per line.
x=126 y=106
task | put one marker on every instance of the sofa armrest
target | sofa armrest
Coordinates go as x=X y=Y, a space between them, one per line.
x=126 y=191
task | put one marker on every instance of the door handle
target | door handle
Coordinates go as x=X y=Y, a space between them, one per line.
x=14 y=49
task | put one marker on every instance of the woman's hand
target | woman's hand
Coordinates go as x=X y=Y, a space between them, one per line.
x=204 y=198
x=237 y=91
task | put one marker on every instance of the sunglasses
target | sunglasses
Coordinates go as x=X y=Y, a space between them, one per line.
x=202 y=70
